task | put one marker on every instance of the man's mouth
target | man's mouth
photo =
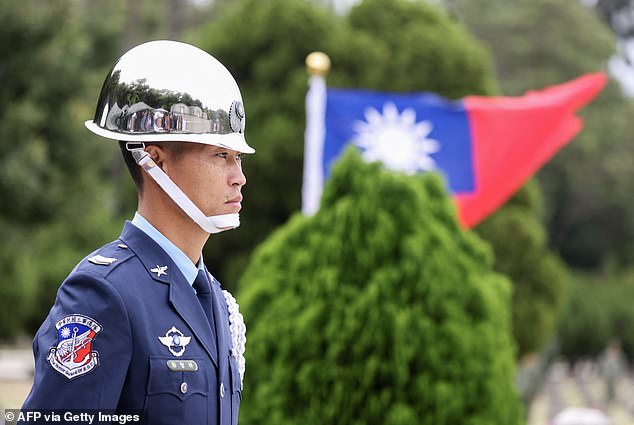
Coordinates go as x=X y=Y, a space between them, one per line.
x=235 y=200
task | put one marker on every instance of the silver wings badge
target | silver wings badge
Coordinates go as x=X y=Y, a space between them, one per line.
x=159 y=270
x=175 y=341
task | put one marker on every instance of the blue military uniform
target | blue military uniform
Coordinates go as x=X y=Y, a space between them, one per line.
x=127 y=332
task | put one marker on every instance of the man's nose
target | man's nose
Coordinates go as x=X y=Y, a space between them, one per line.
x=237 y=177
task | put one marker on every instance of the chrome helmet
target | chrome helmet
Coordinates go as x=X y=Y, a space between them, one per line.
x=171 y=91
x=166 y=91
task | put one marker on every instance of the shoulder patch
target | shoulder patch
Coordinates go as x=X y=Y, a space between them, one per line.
x=73 y=355
x=101 y=260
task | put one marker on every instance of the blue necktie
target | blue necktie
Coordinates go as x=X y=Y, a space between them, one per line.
x=203 y=292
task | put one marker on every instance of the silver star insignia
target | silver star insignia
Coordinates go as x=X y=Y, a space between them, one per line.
x=159 y=270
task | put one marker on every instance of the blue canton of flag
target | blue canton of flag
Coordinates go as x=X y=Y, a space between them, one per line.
x=408 y=132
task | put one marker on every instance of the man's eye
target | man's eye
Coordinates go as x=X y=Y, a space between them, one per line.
x=225 y=155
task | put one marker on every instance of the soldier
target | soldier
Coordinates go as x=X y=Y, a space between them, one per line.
x=140 y=323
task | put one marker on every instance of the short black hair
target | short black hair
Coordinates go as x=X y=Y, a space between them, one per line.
x=133 y=168
x=174 y=148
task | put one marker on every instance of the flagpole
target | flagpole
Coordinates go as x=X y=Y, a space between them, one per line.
x=317 y=66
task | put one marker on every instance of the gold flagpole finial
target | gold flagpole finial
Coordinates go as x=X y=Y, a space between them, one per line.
x=318 y=63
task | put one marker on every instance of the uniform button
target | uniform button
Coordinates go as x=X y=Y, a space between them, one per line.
x=184 y=387
x=222 y=389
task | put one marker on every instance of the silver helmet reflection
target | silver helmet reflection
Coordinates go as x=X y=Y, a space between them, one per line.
x=171 y=91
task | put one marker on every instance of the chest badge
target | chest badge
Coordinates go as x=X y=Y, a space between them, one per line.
x=159 y=270
x=175 y=341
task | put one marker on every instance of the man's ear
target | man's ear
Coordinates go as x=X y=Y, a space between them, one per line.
x=159 y=155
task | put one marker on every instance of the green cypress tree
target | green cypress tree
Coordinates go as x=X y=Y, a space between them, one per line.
x=379 y=309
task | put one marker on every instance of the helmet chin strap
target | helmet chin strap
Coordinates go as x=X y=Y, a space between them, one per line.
x=211 y=224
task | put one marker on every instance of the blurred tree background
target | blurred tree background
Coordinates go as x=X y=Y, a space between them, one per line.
x=58 y=199
x=565 y=237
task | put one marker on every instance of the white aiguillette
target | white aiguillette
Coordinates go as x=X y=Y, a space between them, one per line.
x=101 y=260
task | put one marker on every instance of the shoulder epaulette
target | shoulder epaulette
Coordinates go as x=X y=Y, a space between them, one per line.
x=101 y=260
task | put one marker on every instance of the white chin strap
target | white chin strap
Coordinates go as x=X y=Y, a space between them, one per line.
x=212 y=224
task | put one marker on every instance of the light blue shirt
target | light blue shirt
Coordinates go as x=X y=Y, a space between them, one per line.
x=182 y=261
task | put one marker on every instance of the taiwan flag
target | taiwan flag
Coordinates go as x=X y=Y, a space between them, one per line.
x=484 y=147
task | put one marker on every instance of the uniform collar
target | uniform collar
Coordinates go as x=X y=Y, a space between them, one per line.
x=157 y=262
x=188 y=269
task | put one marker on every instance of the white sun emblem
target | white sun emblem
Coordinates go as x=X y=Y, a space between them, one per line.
x=397 y=140
x=65 y=332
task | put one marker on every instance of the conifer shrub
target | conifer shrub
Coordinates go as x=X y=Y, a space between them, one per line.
x=379 y=309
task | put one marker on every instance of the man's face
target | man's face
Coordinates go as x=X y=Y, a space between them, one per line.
x=211 y=177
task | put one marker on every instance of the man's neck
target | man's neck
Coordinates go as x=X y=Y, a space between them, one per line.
x=168 y=219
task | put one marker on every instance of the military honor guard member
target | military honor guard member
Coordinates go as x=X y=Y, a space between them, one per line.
x=140 y=324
